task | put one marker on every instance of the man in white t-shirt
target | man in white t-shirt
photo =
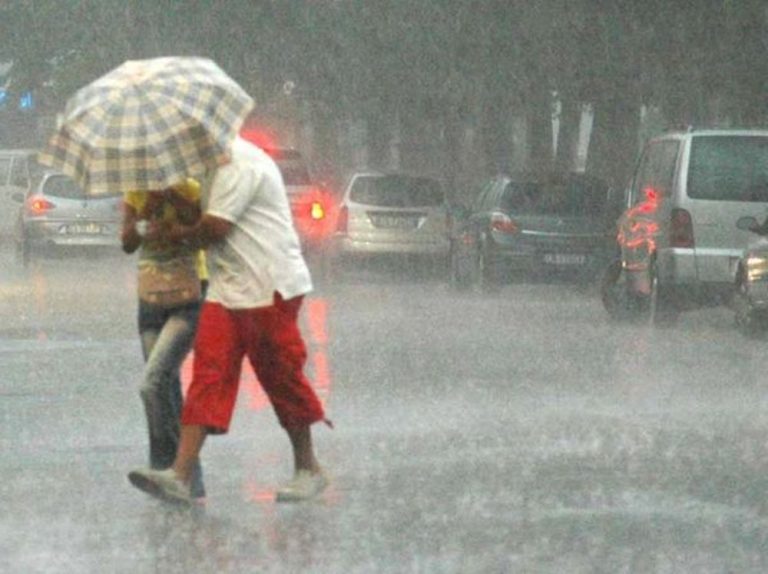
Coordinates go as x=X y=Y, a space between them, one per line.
x=258 y=278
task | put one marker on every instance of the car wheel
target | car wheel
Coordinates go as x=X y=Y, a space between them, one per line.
x=746 y=320
x=23 y=252
x=661 y=308
x=487 y=271
x=460 y=270
x=614 y=294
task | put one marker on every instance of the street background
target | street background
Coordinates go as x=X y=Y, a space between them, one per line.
x=512 y=432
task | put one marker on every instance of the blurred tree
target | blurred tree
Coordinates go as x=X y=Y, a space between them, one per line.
x=447 y=78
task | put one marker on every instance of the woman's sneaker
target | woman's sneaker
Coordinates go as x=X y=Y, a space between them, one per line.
x=304 y=485
x=161 y=484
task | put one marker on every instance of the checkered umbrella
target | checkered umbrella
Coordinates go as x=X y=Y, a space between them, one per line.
x=148 y=124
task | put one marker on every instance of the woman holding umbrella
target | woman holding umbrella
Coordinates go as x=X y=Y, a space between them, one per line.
x=171 y=282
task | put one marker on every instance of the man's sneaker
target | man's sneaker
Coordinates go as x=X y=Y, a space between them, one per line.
x=304 y=485
x=161 y=484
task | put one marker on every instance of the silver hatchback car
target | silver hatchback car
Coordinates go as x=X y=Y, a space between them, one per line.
x=394 y=213
x=15 y=169
x=55 y=213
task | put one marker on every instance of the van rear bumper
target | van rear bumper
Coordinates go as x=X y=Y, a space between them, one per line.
x=679 y=274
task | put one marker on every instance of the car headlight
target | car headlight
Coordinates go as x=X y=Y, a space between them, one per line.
x=757 y=268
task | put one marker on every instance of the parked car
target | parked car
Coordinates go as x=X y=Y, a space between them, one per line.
x=529 y=224
x=392 y=214
x=55 y=213
x=678 y=243
x=312 y=205
x=14 y=178
x=750 y=297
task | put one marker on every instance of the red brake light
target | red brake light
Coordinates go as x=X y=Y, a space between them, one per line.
x=39 y=205
x=681 y=229
x=502 y=223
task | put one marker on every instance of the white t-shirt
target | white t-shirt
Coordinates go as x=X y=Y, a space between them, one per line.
x=261 y=254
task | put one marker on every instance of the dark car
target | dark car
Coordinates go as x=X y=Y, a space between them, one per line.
x=55 y=214
x=533 y=224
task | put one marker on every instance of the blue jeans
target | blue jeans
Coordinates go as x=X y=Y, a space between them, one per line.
x=167 y=335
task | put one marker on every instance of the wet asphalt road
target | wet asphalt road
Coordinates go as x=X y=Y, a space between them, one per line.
x=514 y=432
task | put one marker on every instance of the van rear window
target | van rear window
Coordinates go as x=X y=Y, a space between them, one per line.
x=729 y=168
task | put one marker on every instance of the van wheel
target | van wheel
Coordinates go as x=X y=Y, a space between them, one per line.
x=616 y=298
x=662 y=309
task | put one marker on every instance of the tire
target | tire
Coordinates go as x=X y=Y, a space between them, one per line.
x=747 y=322
x=487 y=271
x=614 y=294
x=460 y=270
x=662 y=311
x=23 y=252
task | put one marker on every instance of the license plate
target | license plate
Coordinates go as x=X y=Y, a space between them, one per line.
x=83 y=229
x=394 y=221
x=564 y=259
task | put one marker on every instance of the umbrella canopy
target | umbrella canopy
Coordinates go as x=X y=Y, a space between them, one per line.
x=148 y=124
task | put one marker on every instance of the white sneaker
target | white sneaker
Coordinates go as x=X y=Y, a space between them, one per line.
x=304 y=485
x=161 y=484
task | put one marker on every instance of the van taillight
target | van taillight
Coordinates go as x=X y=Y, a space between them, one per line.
x=681 y=230
x=38 y=206
x=343 y=220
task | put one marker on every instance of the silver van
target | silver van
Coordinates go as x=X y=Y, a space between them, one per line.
x=678 y=243
x=14 y=178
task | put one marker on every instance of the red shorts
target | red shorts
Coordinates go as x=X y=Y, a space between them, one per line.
x=270 y=338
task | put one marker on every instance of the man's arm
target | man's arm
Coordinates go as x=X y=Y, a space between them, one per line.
x=208 y=229
x=188 y=211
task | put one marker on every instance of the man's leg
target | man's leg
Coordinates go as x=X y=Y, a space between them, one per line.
x=278 y=359
x=303 y=452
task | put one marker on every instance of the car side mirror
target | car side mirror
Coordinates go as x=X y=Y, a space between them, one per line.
x=749 y=223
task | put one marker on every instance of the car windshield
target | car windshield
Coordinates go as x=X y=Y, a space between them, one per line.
x=729 y=168
x=563 y=197
x=397 y=191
